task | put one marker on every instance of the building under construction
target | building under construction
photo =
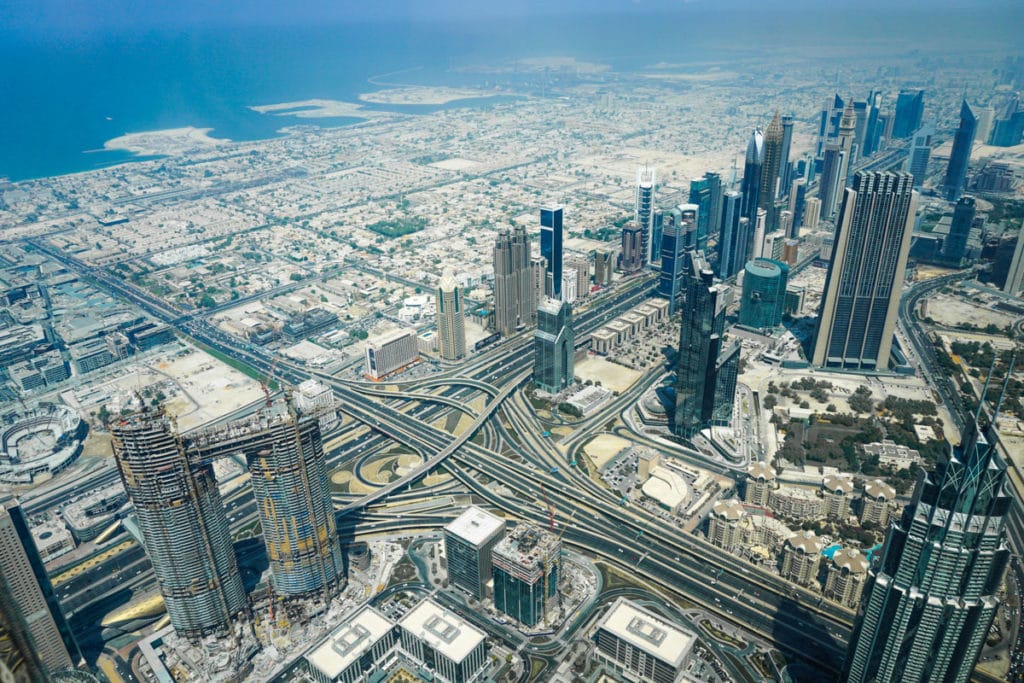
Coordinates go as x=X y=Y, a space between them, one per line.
x=525 y=569
x=169 y=478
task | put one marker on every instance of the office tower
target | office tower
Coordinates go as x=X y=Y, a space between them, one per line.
x=468 y=542
x=751 y=185
x=955 y=247
x=181 y=517
x=797 y=201
x=828 y=125
x=774 y=242
x=931 y=599
x=830 y=182
x=812 y=213
x=732 y=241
x=756 y=249
x=553 y=346
x=764 y=293
x=920 y=153
x=526 y=573
x=865 y=275
x=770 y=166
x=706 y=366
x=604 y=264
x=19 y=661
x=700 y=197
x=580 y=265
x=551 y=249
x=785 y=223
x=847 y=144
x=785 y=167
x=642 y=645
x=1015 y=275
x=1008 y=129
x=359 y=648
x=440 y=646
x=714 y=181
x=28 y=601
x=677 y=237
x=539 y=277
x=391 y=353
x=514 y=303
x=909 y=110
x=633 y=256
x=986 y=118
x=960 y=156
x=569 y=282
x=451 y=318
x=643 y=214
x=872 y=133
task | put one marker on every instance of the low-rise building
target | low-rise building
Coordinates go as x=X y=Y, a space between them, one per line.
x=446 y=647
x=359 y=647
x=642 y=646
x=892 y=455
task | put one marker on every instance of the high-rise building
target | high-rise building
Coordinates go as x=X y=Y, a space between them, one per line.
x=468 y=542
x=756 y=248
x=861 y=112
x=955 y=247
x=785 y=168
x=580 y=264
x=553 y=346
x=865 y=275
x=451 y=318
x=931 y=599
x=641 y=645
x=643 y=214
x=33 y=615
x=828 y=126
x=909 y=110
x=515 y=307
x=184 y=528
x=714 y=181
x=391 y=353
x=764 y=293
x=830 y=181
x=677 y=238
x=751 y=185
x=770 y=166
x=1015 y=275
x=960 y=156
x=19 y=661
x=526 y=566
x=700 y=196
x=539 y=278
x=847 y=574
x=797 y=201
x=551 y=249
x=872 y=130
x=801 y=557
x=732 y=241
x=706 y=366
x=569 y=285
x=633 y=256
x=443 y=646
x=920 y=153
x=604 y=265
x=847 y=144
x=812 y=213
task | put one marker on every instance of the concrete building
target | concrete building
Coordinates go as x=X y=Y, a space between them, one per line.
x=28 y=600
x=451 y=319
x=812 y=213
x=865 y=275
x=837 y=492
x=643 y=214
x=553 y=344
x=391 y=353
x=526 y=565
x=633 y=256
x=760 y=481
x=801 y=558
x=847 y=574
x=316 y=396
x=796 y=502
x=641 y=646
x=877 y=503
x=360 y=647
x=724 y=530
x=468 y=542
x=515 y=304
x=892 y=455
x=445 y=646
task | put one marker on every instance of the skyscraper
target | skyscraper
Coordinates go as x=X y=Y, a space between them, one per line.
x=732 y=241
x=865 y=275
x=847 y=144
x=28 y=600
x=526 y=566
x=468 y=542
x=955 y=246
x=451 y=318
x=828 y=125
x=184 y=529
x=830 y=182
x=706 y=366
x=770 y=170
x=1015 y=275
x=812 y=212
x=551 y=249
x=960 y=156
x=700 y=196
x=714 y=181
x=514 y=304
x=909 y=110
x=764 y=293
x=677 y=237
x=553 y=346
x=751 y=185
x=19 y=661
x=797 y=201
x=931 y=599
x=784 y=165
x=633 y=255
x=872 y=130
x=920 y=153
x=643 y=214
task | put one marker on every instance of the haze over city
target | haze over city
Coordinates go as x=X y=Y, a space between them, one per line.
x=523 y=341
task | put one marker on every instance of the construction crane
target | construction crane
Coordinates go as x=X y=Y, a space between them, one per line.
x=265 y=383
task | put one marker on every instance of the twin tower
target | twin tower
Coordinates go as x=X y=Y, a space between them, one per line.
x=170 y=480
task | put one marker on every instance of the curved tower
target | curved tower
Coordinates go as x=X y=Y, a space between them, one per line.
x=184 y=529
x=773 y=138
x=751 y=185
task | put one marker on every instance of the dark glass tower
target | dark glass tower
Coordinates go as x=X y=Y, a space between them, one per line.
x=677 y=238
x=714 y=181
x=960 y=156
x=831 y=182
x=931 y=599
x=735 y=234
x=770 y=170
x=909 y=110
x=751 y=185
x=764 y=293
x=553 y=346
x=785 y=168
x=865 y=276
x=955 y=247
x=700 y=196
x=706 y=366
x=633 y=253
x=551 y=249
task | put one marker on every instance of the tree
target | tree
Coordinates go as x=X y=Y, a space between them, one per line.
x=103 y=415
x=770 y=402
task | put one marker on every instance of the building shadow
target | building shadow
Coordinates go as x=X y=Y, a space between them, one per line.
x=812 y=653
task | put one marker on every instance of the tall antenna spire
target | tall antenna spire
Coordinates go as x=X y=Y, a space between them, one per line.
x=1002 y=392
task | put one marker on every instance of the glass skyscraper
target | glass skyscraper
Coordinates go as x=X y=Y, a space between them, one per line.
x=551 y=249
x=909 y=110
x=734 y=237
x=955 y=247
x=764 y=293
x=751 y=184
x=677 y=237
x=865 y=275
x=553 y=346
x=960 y=156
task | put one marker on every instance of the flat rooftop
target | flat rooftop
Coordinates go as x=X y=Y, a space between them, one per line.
x=442 y=630
x=644 y=630
x=475 y=526
x=349 y=642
